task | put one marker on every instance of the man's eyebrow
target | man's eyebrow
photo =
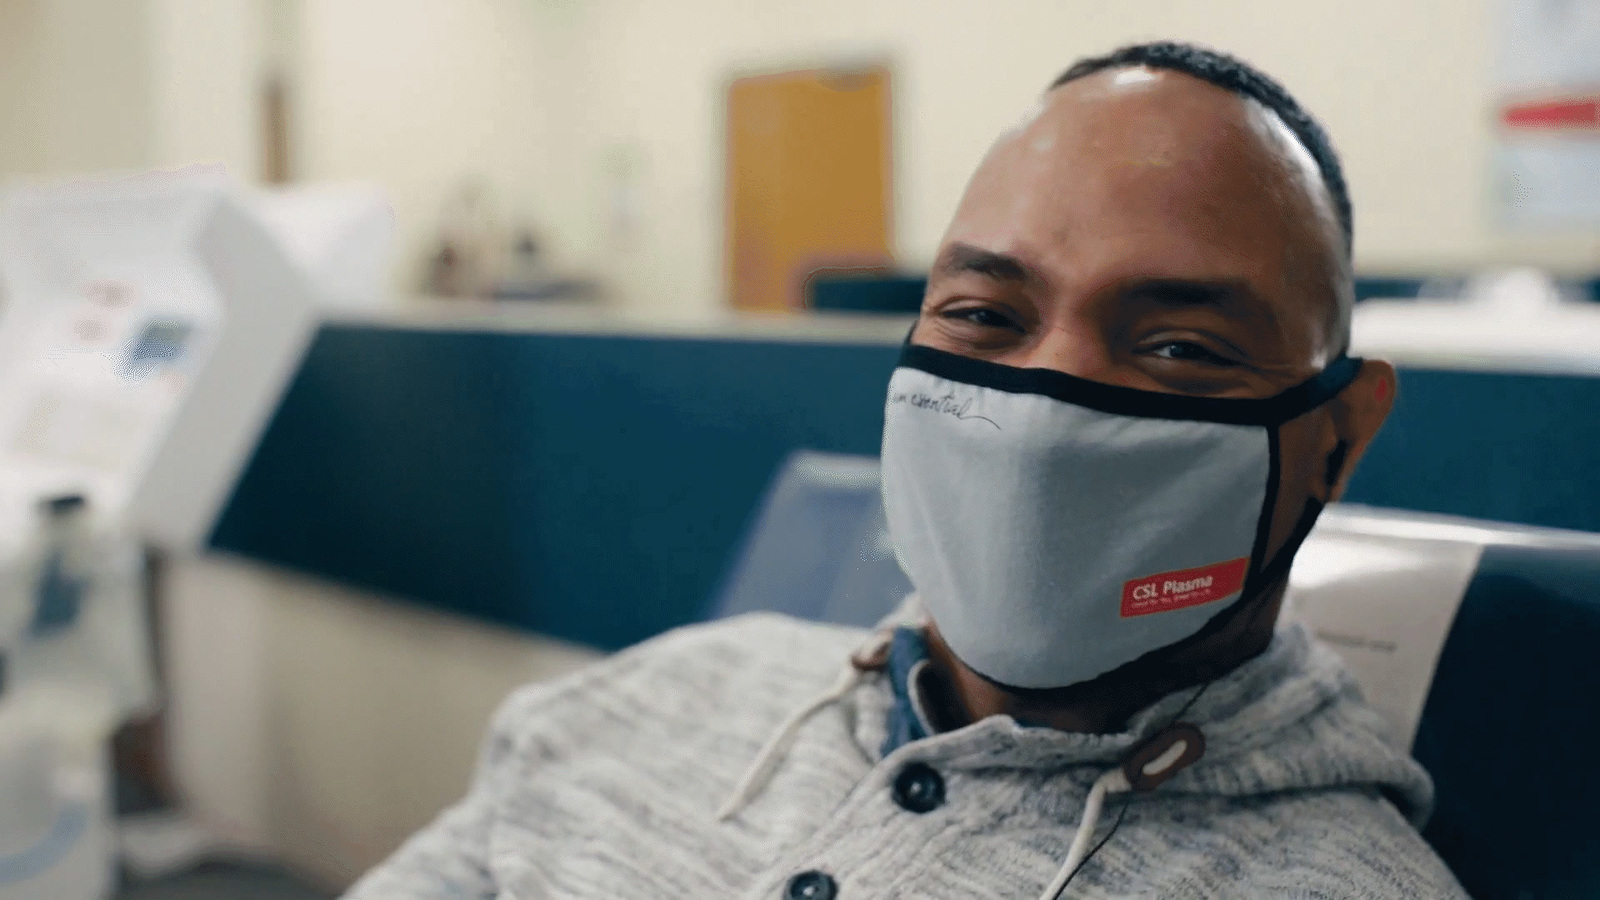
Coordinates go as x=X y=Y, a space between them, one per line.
x=1232 y=297
x=962 y=258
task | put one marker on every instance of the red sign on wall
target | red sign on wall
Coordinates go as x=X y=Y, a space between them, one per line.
x=1582 y=114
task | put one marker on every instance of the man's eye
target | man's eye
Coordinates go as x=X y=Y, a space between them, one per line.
x=985 y=317
x=1189 y=351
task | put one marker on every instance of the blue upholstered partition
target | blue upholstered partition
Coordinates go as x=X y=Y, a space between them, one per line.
x=593 y=487
x=585 y=487
x=1506 y=447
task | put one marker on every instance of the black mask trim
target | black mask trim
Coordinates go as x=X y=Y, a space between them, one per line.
x=1109 y=398
x=1278 y=568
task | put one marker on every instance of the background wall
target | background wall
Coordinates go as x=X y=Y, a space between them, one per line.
x=92 y=86
x=421 y=95
x=75 y=86
x=205 y=64
x=560 y=102
x=600 y=120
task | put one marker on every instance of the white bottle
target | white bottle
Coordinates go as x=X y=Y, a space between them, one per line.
x=55 y=799
x=56 y=719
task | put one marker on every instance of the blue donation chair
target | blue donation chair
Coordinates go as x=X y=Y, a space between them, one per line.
x=1477 y=641
x=1511 y=723
x=818 y=547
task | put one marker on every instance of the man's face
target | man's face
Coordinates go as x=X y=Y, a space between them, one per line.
x=1147 y=229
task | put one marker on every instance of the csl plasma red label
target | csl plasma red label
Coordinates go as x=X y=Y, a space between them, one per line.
x=1182 y=589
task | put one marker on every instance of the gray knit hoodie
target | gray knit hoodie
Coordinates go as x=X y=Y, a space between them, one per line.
x=608 y=784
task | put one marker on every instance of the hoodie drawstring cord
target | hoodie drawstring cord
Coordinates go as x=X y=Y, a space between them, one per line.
x=1112 y=782
x=1154 y=760
x=1183 y=745
x=868 y=658
x=761 y=769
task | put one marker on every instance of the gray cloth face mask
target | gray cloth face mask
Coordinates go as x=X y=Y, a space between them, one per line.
x=1057 y=528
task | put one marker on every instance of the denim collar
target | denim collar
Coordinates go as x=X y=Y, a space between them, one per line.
x=907 y=718
x=908 y=655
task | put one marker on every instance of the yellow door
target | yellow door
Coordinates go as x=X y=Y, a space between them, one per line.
x=808 y=181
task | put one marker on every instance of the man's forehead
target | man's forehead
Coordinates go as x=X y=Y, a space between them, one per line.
x=1155 y=137
x=1138 y=173
x=1139 y=123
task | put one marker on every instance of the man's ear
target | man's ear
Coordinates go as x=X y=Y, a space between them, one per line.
x=1358 y=412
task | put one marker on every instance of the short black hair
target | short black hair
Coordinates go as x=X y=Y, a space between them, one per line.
x=1241 y=78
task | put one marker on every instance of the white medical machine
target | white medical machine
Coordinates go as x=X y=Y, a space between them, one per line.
x=148 y=327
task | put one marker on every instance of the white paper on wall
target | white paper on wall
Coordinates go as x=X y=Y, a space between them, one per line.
x=1385 y=604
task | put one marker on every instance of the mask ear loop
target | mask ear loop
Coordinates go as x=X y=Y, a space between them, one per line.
x=1336 y=460
x=1278 y=568
x=1324 y=387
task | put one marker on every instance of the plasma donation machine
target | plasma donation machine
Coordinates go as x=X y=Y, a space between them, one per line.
x=147 y=329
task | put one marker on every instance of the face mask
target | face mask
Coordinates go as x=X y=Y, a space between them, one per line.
x=1056 y=528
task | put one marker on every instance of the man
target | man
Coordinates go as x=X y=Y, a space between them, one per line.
x=1122 y=406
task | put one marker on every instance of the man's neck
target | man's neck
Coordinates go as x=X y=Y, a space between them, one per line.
x=957 y=695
